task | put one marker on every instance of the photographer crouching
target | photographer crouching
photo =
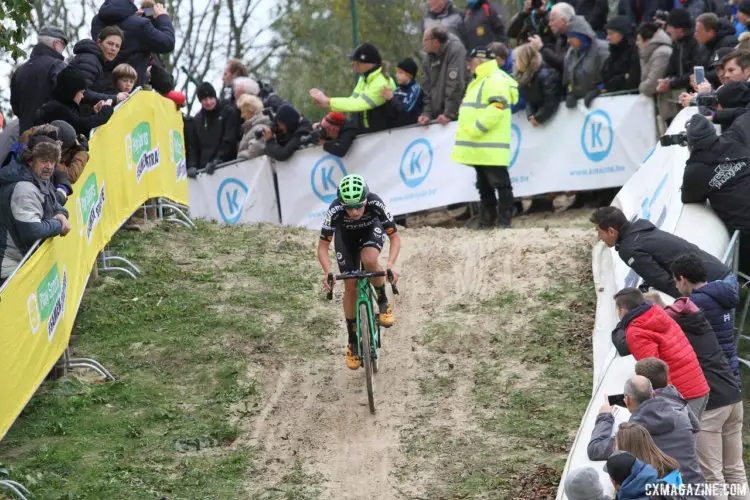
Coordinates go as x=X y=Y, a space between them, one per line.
x=287 y=134
x=335 y=133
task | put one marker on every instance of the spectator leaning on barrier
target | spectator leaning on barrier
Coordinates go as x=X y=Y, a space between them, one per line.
x=655 y=49
x=366 y=103
x=713 y=33
x=531 y=21
x=483 y=136
x=335 y=133
x=622 y=69
x=405 y=104
x=29 y=210
x=634 y=438
x=233 y=69
x=631 y=477
x=646 y=331
x=289 y=132
x=584 y=484
x=215 y=132
x=554 y=53
x=254 y=122
x=65 y=104
x=32 y=83
x=147 y=32
x=484 y=24
x=582 y=74
x=246 y=85
x=89 y=59
x=444 y=79
x=649 y=251
x=671 y=425
x=444 y=13
x=540 y=85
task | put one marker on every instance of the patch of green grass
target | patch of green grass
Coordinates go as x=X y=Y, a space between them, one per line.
x=295 y=484
x=179 y=339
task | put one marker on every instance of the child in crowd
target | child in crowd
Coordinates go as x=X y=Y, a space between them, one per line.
x=405 y=104
x=125 y=77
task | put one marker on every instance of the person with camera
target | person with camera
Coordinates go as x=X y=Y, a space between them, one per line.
x=335 y=133
x=148 y=31
x=287 y=134
x=215 y=133
x=533 y=20
x=717 y=171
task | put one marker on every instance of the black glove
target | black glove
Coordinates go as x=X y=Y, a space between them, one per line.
x=83 y=143
x=570 y=101
x=211 y=167
x=644 y=287
x=590 y=96
x=61 y=195
x=192 y=172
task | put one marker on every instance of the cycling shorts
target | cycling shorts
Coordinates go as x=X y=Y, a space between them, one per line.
x=348 y=244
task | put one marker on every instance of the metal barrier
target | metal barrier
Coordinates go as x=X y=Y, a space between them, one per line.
x=17 y=488
x=732 y=256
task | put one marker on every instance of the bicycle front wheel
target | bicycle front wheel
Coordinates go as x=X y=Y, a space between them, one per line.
x=364 y=325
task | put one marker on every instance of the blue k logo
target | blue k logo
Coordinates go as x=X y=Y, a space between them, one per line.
x=325 y=177
x=230 y=199
x=515 y=144
x=597 y=135
x=416 y=163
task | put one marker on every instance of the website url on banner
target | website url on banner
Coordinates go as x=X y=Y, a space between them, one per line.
x=317 y=215
x=519 y=180
x=613 y=169
x=414 y=196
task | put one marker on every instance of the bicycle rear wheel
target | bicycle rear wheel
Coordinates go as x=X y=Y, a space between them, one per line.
x=366 y=336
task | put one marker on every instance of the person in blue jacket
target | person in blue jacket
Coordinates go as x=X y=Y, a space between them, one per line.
x=406 y=102
x=630 y=477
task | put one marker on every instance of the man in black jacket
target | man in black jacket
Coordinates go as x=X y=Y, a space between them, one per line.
x=622 y=69
x=335 y=133
x=215 y=133
x=649 y=251
x=713 y=34
x=290 y=131
x=717 y=171
x=32 y=83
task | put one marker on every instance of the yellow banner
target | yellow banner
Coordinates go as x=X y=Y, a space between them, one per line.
x=138 y=155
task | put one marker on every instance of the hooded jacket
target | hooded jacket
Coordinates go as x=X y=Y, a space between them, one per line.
x=654 y=62
x=718 y=300
x=444 y=79
x=686 y=54
x=282 y=147
x=721 y=380
x=622 y=69
x=215 y=136
x=671 y=424
x=32 y=83
x=450 y=17
x=88 y=59
x=647 y=331
x=250 y=146
x=143 y=36
x=543 y=94
x=484 y=25
x=650 y=251
x=634 y=486
x=582 y=71
x=27 y=208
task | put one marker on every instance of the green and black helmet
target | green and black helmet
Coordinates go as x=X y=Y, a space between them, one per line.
x=353 y=191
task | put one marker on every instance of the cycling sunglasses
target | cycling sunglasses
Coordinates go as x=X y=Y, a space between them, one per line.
x=355 y=206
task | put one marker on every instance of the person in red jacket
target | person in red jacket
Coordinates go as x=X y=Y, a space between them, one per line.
x=647 y=331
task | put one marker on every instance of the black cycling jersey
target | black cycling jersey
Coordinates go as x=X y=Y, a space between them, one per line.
x=375 y=211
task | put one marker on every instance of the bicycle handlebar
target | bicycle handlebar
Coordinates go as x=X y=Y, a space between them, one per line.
x=354 y=275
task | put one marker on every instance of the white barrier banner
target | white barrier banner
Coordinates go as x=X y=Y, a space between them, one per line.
x=580 y=149
x=242 y=192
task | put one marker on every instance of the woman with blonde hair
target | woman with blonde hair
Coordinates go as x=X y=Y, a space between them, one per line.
x=254 y=122
x=540 y=85
x=634 y=438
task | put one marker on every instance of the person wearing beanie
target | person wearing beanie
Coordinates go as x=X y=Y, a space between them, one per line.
x=405 y=104
x=290 y=129
x=631 y=478
x=29 y=210
x=65 y=104
x=335 y=133
x=622 y=69
x=584 y=484
x=582 y=70
x=366 y=104
x=483 y=136
x=733 y=98
x=717 y=171
x=215 y=133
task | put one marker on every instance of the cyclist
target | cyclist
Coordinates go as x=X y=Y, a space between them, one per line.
x=358 y=221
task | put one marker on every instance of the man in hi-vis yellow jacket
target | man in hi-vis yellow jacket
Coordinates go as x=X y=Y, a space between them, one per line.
x=483 y=136
x=366 y=104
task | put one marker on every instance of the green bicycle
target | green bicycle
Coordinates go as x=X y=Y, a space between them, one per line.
x=368 y=324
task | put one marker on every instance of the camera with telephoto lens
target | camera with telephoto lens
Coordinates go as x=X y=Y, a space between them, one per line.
x=674 y=140
x=707 y=100
x=259 y=134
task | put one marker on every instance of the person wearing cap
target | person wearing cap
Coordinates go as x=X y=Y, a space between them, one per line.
x=29 y=210
x=717 y=171
x=405 y=104
x=584 y=484
x=622 y=69
x=444 y=76
x=632 y=479
x=483 y=136
x=582 y=73
x=32 y=83
x=289 y=132
x=215 y=133
x=65 y=104
x=366 y=104
x=336 y=133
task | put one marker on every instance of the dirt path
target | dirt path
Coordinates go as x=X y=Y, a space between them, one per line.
x=314 y=421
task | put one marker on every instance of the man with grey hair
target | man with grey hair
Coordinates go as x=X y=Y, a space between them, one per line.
x=32 y=83
x=560 y=16
x=443 y=75
x=672 y=429
x=444 y=13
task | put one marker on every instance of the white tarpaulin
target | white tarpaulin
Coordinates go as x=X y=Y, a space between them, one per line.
x=241 y=192
x=580 y=149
